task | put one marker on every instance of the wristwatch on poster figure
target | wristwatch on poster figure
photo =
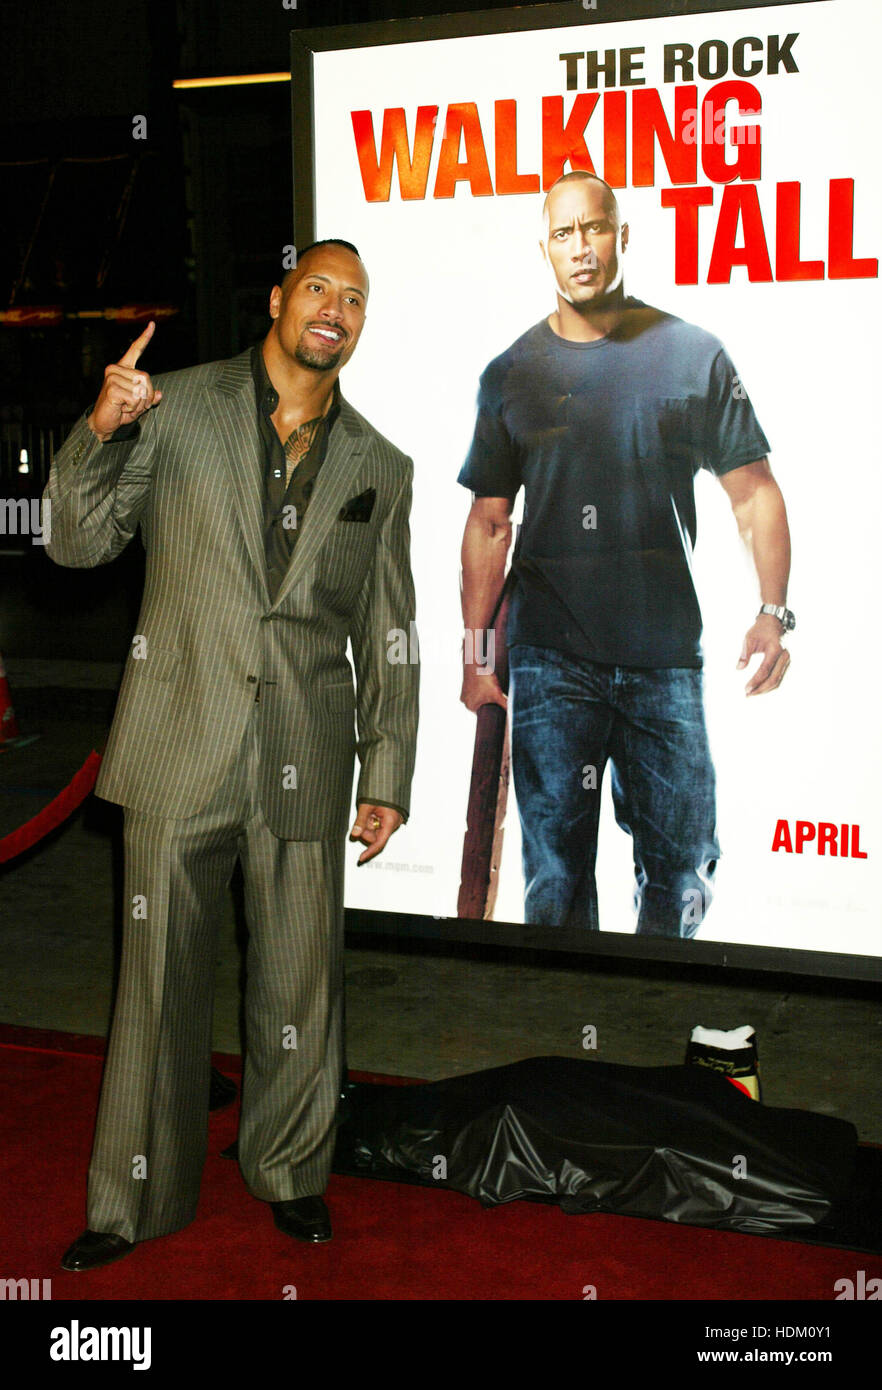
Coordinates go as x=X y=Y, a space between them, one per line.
x=784 y=616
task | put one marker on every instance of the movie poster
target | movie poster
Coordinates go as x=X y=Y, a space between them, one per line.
x=741 y=148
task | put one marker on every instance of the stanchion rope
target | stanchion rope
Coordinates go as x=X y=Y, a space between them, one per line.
x=51 y=816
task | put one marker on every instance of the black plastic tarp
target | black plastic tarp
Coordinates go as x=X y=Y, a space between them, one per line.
x=674 y=1143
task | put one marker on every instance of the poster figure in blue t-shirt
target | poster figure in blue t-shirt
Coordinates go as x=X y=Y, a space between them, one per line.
x=603 y=413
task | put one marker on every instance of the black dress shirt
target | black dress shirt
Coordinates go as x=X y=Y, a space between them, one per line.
x=286 y=491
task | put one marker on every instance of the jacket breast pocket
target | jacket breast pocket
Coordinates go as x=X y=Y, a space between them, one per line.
x=345 y=561
x=156 y=663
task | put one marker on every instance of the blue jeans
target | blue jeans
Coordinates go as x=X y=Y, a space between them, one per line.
x=571 y=717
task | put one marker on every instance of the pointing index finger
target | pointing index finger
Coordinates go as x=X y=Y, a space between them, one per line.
x=130 y=359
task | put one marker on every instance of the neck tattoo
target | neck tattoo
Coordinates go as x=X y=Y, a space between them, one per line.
x=299 y=443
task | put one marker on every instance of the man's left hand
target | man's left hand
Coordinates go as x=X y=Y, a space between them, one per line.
x=765 y=637
x=373 y=827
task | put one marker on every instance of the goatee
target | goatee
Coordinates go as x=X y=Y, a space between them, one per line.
x=317 y=359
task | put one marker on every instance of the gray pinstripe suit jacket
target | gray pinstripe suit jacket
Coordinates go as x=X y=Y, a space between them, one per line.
x=193 y=482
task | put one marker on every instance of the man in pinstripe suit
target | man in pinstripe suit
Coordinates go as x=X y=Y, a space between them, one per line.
x=275 y=521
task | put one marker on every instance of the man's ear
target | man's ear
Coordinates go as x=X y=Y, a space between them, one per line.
x=543 y=250
x=275 y=302
x=625 y=233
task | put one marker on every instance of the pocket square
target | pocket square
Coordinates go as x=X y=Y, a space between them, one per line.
x=359 y=508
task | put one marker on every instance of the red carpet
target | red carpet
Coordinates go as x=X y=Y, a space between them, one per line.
x=391 y=1241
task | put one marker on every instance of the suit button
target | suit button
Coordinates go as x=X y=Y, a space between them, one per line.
x=251 y=680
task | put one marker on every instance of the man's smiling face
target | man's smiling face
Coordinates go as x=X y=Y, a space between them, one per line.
x=320 y=311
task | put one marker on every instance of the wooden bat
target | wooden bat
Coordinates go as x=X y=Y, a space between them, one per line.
x=488 y=791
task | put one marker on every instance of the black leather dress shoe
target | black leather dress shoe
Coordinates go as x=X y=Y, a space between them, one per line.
x=306 y=1218
x=94 y=1249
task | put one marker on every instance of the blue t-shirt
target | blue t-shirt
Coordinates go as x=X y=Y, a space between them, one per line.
x=605 y=438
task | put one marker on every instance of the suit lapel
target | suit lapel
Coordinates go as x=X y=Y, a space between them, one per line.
x=333 y=487
x=233 y=409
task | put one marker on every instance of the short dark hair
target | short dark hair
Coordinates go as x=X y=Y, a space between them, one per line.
x=326 y=241
x=612 y=202
x=329 y=241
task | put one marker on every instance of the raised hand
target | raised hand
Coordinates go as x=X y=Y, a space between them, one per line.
x=126 y=393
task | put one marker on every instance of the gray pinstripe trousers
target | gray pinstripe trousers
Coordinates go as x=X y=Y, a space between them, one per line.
x=152 y=1129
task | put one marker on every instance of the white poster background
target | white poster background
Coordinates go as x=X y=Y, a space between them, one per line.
x=454 y=281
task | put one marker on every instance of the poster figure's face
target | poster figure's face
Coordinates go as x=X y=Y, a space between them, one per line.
x=584 y=242
x=321 y=310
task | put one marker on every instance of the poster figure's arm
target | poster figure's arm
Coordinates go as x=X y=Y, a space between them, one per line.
x=762 y=521
x=485 y=546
